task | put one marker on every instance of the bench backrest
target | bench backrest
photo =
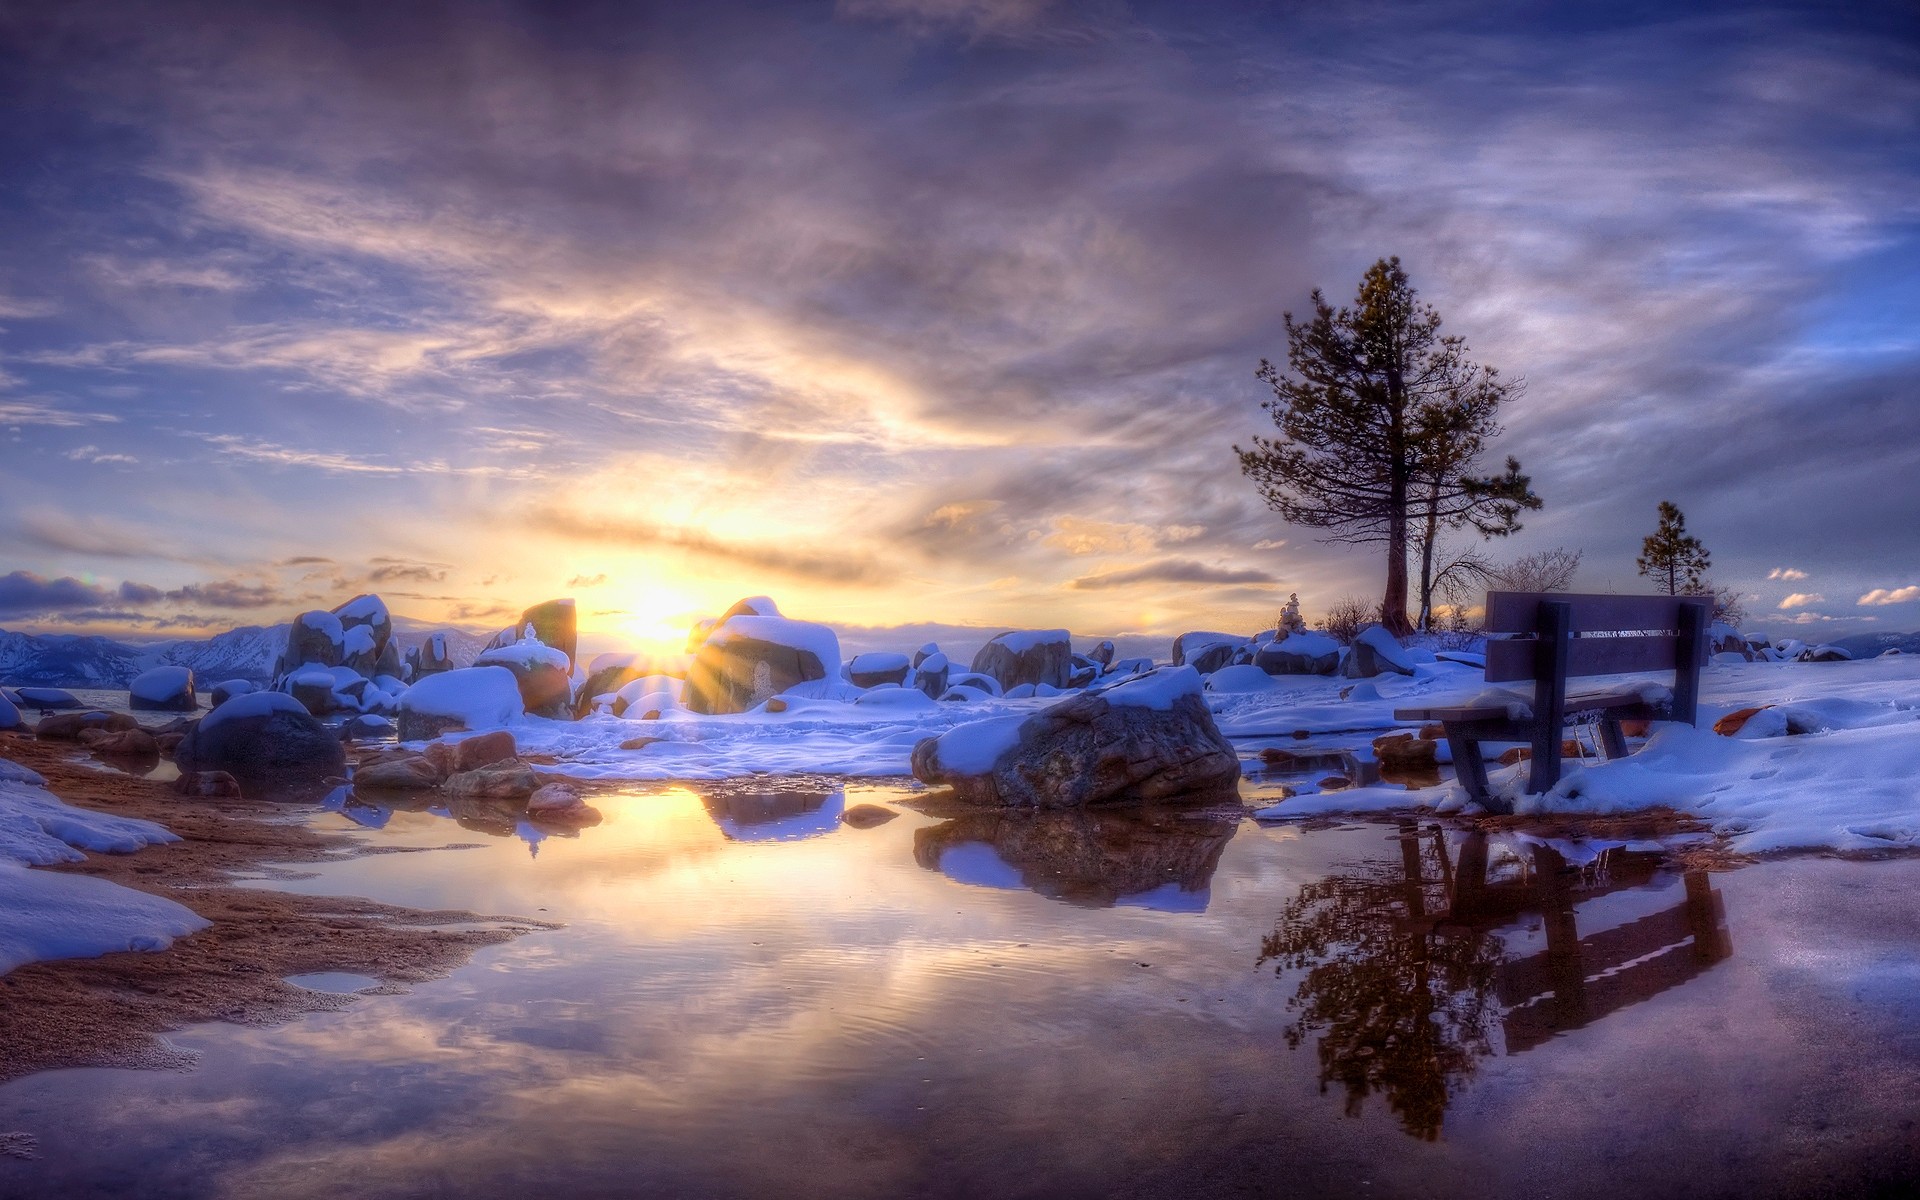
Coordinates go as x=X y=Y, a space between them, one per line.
x=1550 y=636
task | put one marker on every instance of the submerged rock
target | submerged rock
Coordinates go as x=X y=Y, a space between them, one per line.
x=69 y=726
x=867 y=816
x=556 y=803
x=207 y=784
x=411 y=773
x=1150 y=738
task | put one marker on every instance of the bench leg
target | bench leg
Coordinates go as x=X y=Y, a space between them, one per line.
x=1611 y=739
x=1544 y=768
x=1470 y=767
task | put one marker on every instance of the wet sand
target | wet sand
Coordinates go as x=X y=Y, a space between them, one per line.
x=114 y=1011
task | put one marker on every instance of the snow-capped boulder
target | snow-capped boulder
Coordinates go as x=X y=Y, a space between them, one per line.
x=1820 y=654
x=930 y=674
x=1243 y=677
x=552 y=623
x=264 y=738
x=752 y=606
x=1027 y=656
x=1299 y=654
x=546 y=687
x=1102 y=654
x=227 y=689
x=653 y=694
x=748 y=659
x=1723 y=638
x=315 y=638
x=924 y=653
x=1206 y=652
x=1376 y=652
x=430 y=657
x=1150 y=738
x=871 y=670
x=365 y=727
x=609 y=674
x=163 y=689
x=463 y=698
x=46 y=699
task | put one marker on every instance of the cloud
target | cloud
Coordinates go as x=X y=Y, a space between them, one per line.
x=1893 y=596
x=586 y=581
x=42 y=412
x=822 y=566
x=1269 y=543
x=1801 y=600
x=398 y=570
x=1787 y=573
x=1171 y=570
x=93 y=454
x=23 y=593
x=92 y=536
x=304 y=560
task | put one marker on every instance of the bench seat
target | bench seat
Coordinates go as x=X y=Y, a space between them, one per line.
x=1498 y=712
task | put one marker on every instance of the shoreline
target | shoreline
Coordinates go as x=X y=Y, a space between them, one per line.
x=114 y=1010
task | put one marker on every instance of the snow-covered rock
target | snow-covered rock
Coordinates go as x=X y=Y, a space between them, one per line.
x=1027 y=656
x=1150 y=738
x=227 y=689
x=748 y=659
x=552 y=623
x=163 y=689
x=50 y=698
x=1376 y=652
x=877 y=667
x=484 y=697
x=10 y=715
x=263 y=739
x=1299 y=654
x=546 y=688
x=1206 y=652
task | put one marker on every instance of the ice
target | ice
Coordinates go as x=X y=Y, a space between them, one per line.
x=50 y=915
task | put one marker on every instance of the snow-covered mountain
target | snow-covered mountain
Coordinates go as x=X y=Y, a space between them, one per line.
x=1873 y=645
x=250 y=652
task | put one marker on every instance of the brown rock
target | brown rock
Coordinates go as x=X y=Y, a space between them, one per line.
x=639 y=743
x=558 y=804
x=866 y=816
x=129 y=743
x=1635 y=729
x=1278 y=758
x=207 y=784
x=1334 y=783
x=167 y=741
x=776 y=705
x=411 y=773
x=67 y=726
x=508 y=780
x=1518 y=754
x=452 y=758
x=1434 y=733
x=1403 y=750
x=1734 y=722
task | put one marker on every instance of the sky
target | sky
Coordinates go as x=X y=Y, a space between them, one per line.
x=924 y=311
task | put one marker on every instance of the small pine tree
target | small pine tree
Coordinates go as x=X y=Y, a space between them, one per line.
x=1671 y=557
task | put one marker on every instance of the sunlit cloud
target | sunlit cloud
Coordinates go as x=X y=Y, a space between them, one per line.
x=1801 y=600
x=1786 y=573
x=1891 y=596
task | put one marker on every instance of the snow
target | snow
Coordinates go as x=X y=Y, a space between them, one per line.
x=822 y=642
x=358 y=640
x=161 y=683
x=526 y=655
x=1243 y=678
x=1386 y=648
x=973 y=748
x=9 y=715
x=254 y=704
x=369 y=608
x=1156 y=690
x=1308 y=645
x=480 y=697
x=877 y=661
x=327 y=623
x=51 y=915
x=1022 y=640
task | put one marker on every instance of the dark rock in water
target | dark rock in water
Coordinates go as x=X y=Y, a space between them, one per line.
x=127 y=743
x=735 y=671
x=1033 y=656
x=207 y=784
x=169 y=742
x=1151 y=738
x=46 y=699
x=1160 y=857
x=1299 y=654
x=267 y=740
x=555 y=624
x=872 y=670
x=558 y=804
x=510 y=779
x=1375 y=652
x=163 y=689
x=867 y=816
x=411 y=773
x=68 y=726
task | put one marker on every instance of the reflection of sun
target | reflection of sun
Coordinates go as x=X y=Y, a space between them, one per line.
x=654 y=618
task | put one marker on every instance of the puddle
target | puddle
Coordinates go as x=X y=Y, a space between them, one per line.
x=337 y=982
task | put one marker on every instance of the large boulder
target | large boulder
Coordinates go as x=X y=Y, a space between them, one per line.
x=609 y=673
x=265 y=738
x=1206 y=652
x=163 y=689
x=1150 y=738
x=368 y=612
x=430 y=657
x=69 y=726
x=748 y=659
x=553 y=623
x=46 y=699
x=930 y=674
x=542 y=673
x=1376 y=652
x=1299 y=654
x=227 y=689
x=464 y=698
x=878 y=667
x=1027 y=656
x=317 y=638
x=1102 y=654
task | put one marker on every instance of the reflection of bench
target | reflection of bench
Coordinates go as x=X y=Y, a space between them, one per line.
x=1549 y=638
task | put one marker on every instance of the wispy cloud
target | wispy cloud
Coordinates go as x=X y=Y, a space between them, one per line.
x=1787 y=573
x=1172 y=570
x=43 y=412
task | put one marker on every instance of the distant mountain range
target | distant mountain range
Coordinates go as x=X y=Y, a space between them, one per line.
x=250 y=652
x=1873 y=645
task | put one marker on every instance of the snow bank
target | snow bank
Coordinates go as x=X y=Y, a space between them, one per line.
x=51 y=915
x=479 y=697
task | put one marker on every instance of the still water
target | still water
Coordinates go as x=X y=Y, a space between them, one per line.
x=750 y=997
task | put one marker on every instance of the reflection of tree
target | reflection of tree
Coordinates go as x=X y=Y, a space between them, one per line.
x=1402 y=1007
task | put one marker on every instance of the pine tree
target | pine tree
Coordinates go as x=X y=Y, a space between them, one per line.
x=1380 y=420
x=1673 y=558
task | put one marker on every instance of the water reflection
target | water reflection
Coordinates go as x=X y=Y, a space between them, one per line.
x=775 y=814
x=1154 y=858
x=1406 y=968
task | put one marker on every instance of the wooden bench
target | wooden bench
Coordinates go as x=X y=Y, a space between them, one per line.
x=1551 y=637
